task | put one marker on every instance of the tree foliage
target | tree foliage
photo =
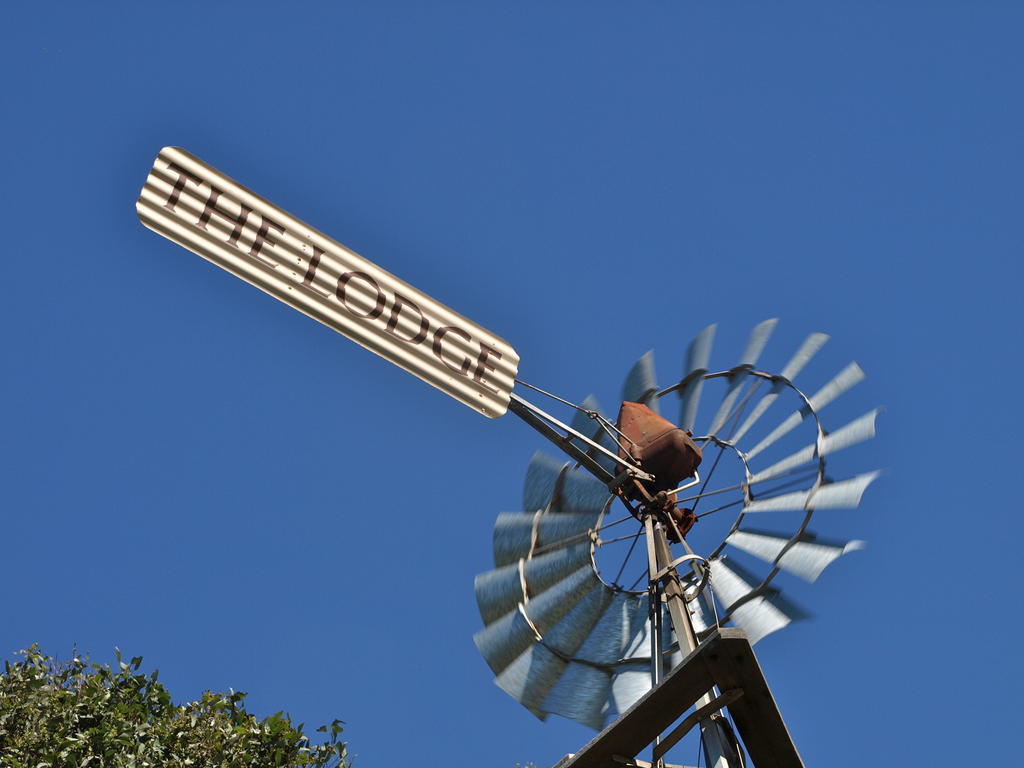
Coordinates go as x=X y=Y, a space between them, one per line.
x=79 y=714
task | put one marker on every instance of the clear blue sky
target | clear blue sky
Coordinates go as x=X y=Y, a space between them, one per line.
x=198 y=474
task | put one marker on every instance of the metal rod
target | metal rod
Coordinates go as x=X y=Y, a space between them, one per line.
x=544 y=423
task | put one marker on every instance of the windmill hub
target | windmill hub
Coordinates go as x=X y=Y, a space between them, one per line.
x=667 y=452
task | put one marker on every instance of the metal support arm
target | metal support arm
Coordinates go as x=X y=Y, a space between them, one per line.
x=549 y=427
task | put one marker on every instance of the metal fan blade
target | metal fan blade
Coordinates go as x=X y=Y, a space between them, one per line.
x=640 y=385
x=592 y=429
x=580 y=492
x=613 y=631
x=807 y=557
x=755 y=345
x=628 y=685
x=697 y=358
x=514 y=533
x=569 y=634
x=845 y=494
x=857 y=431
x=500 y=590
x=702 y=613
x=847 y=378
x=803 y=355
x=541 y=481
x=550 y=606
x=503 y=640
x=580 y=694
x=531 y=676
x=756 y=612
x=583 y=423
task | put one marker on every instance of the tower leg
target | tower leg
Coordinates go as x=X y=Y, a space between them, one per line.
x=720 y=749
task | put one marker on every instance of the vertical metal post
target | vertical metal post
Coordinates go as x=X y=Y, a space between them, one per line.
x=718 y=749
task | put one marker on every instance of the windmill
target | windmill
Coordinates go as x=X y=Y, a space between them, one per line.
x=564 y=633
x=566 y=636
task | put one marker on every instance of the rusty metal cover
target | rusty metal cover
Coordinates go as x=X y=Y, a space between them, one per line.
x=660 y=446
x=200 y=208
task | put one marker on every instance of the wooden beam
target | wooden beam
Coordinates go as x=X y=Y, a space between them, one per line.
x=724 y=659
x=756 y=714
x=655 y=711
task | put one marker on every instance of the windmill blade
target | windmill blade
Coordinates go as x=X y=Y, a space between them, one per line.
x=503 y=640
x=631 y=679
x=501 y=590
x=516 y=534
x=641 y=385
x=530 y=677
x=857 y=431
x=702 y=612
x=755 y=345
x=541 y=481
x=806 y=557
x=845 y=494
x=844 y=380
x=697 y=357
x=627 y=685
x=580 y=492
x=801 y=358
x=756 y=612
x=549 y=607
x=582 y=692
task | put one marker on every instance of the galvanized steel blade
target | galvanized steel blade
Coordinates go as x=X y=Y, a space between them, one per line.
x=845 y=494
x=517 y=534
x=702 y=612
x=803 y=355
x=531 y=675
x=566 y=637
x=641 y=384
x=593 y=429
x=806 y=557
x=755 y=345
x=580 y=492
x=547 y=608
x=857 y=431
x=628 y=684
x=757 y=611
x=503 y=640
x=201 y=209
x=619 y=624
x=697 y=358
x=501 y=590
x=844 y=380
x=541 y=481
x=580 y=694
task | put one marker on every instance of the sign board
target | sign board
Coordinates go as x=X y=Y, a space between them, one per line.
x=200 y=208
